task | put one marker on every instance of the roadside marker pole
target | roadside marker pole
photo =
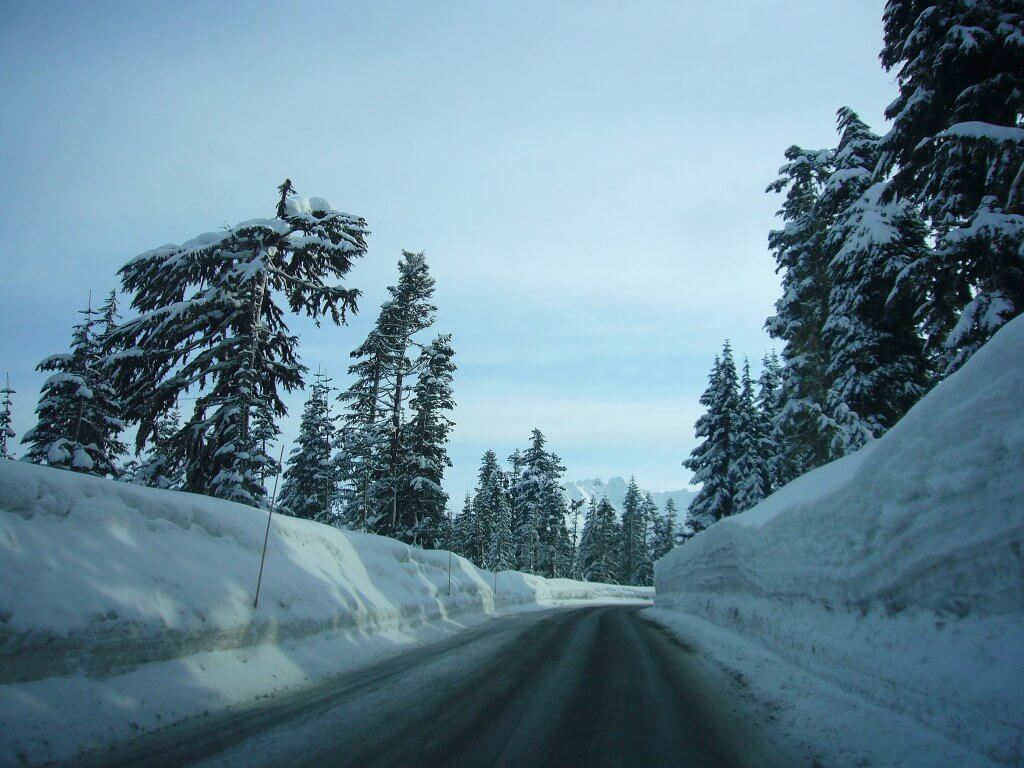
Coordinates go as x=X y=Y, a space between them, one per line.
x=266 y=536
x=449 y=571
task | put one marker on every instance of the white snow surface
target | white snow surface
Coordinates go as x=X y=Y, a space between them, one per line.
x=894 y=574
x=124 y=608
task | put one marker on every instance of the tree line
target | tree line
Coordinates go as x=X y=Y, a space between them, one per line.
x=900 y=256
x=517 y=518
x=209 y=328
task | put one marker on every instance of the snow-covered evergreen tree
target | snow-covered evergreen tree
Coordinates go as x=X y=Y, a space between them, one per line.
x=633 y=544
x=488 y=501
x=362 y=439
x=769 y=424
x=309 y=484
x=79 y=422
x=665 y=531
x=876 y=362
x=541 y=537
x=500 y=550
x=711 y=459
x=574 y=536
x=6 y=422
x=804 y=427
x=161 y=466
x=425 y=443
x=599 y=547
x=749 y=467
x=463 y=531
x=210 y=319
x=958 y=140
x=413 y=313
x=649 y=515
x=379 y=463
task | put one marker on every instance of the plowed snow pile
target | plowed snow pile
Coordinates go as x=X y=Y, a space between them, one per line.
x=894 y=574
x=126 y=608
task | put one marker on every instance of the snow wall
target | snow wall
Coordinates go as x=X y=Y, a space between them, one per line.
x=895 y=572
x=96 y=574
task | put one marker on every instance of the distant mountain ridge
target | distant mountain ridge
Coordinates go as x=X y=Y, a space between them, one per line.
x=615 y=490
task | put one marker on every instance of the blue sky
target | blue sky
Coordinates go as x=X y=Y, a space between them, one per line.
x=586 y=178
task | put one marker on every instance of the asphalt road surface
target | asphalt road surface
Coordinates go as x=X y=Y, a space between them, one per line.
x=587 y=686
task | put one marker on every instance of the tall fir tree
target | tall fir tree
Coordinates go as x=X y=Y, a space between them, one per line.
x=463 y=531
x=487 y=501
x=665 y=531
x=6 y=421
x=309 y=486
x=769 y=408
x=362 y=439
x=500 y=550
x=804 y=426
x=649 y=515
x=574 y=536
x=541 y=537
x=210 y=319
x=426 y=443
x=411 y=298
x=876 y=362
x=710 y=461
x=958 y=140
x=599 y=545
x=79 y=422
x=633 y=544
x=749 y=466
x=377 y=456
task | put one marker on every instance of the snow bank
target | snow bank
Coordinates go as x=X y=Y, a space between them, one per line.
x=896 y=572
x=102 y=580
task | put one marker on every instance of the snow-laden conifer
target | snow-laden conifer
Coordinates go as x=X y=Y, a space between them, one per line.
x=308 y=490
x=487 y=500
x=79 y=422
x=769 y=425
x=6 y=422
x=212 y=320
x=665 y=530
x=541 y=537
x=876 y=364
x=425 y=445
x=800 y=313
x=711 y=459
x=633 y=544
x=599 y=546
x=748 y=468
x=958 y=141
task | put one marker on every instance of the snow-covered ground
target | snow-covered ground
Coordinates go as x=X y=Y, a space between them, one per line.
x=124 y=609
x=877 y=603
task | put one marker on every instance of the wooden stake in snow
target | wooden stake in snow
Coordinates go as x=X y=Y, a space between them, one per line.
x=266 y=536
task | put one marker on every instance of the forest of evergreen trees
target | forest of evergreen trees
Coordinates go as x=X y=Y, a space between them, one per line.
x=900 y=255
x=208 y=328
x=517 y=518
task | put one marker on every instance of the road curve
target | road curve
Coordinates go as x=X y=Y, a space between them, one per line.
x=588 y=686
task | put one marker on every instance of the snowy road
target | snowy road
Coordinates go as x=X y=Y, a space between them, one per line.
x=593 y=686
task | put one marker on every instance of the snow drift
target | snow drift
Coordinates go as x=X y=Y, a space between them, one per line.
x=895 y=572
x=99 y=577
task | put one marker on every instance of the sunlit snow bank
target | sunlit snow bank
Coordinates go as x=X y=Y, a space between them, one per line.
x=125 y=608
x=895 y=574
